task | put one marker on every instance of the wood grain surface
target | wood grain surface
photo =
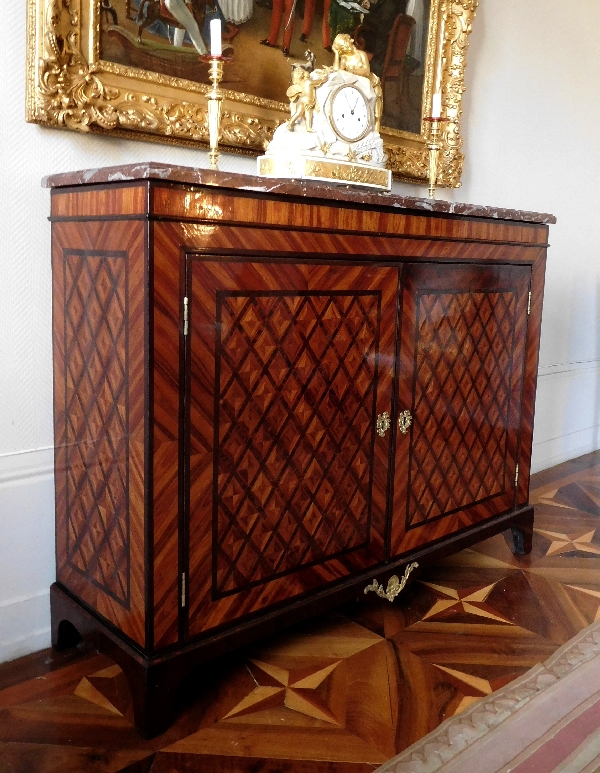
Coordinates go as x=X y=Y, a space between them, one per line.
x=166 y=331
x=532 y=349
x=213 y=483
x=461 y=368
x=287 y=213
x=116 y=200
x=99 y=404
x=287 y=475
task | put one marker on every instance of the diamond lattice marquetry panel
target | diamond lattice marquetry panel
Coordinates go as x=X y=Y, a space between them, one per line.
x=296 y=403
x=461 y=400
x=96 y=356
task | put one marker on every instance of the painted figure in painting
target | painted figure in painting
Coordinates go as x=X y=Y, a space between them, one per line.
x=108 y=12
x=307 y=22
x=235 y=13
x=394 y=34
x=419 y=10
x=178 y=15
x=373 y=35
x=283 y=10
x=345 y=15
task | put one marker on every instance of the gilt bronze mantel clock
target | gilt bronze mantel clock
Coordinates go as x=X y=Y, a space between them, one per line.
x=333 y=130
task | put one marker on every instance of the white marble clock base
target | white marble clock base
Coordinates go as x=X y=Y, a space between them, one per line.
x=323 y=169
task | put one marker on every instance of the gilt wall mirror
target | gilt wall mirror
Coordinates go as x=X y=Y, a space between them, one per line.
x=129 y=68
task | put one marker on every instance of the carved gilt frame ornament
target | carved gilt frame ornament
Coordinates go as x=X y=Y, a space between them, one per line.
x=70 y=86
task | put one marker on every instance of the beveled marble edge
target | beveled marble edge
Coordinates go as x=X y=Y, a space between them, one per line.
x=306 y=189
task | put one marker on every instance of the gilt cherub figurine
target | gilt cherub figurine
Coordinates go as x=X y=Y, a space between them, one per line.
x=302 y=94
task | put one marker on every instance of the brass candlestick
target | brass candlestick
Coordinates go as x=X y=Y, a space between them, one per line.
x=434 y=151
x=214 y=98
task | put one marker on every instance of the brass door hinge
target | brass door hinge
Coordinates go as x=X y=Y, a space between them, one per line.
x=517 y=476
x=185 y=316
x=183 y=589
x=529 y=304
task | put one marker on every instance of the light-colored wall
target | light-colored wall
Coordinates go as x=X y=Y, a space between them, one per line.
x=531 y=142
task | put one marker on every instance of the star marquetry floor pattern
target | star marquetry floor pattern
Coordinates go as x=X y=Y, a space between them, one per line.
x=341 y=693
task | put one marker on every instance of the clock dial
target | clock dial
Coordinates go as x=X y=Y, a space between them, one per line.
x=350 y=114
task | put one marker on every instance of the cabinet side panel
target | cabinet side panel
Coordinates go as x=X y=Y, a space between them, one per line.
x=98 y=279
x=100 y=202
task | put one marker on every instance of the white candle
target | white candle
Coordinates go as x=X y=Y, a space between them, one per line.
x=215 y=37
x=442 y=37
x=436 y=105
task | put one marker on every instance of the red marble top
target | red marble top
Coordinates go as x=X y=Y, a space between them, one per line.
x=298 y=188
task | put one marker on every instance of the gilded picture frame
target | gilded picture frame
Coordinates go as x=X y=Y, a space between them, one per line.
x=87 y=71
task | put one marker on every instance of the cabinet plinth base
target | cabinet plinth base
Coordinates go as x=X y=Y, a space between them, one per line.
x=154 y=680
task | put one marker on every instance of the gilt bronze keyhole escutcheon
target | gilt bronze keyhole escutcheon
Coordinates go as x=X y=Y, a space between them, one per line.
x=383 y=423
x=404 y=422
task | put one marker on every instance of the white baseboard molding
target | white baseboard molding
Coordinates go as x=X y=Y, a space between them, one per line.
x=33 y=642
x=26 y=551
x=24 y=625
x=578 y=366
x=567 y=413
x=26 y=465
x=561 y=449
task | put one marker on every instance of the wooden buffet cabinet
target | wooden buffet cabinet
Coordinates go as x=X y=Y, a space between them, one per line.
x=268 y=394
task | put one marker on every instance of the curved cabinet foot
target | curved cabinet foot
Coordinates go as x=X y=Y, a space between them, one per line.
x=153 y=684
x=153 y=692
x=522 y=533
x=64 y=635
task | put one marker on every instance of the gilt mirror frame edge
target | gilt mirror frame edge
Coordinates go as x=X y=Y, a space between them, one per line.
x=69 y=86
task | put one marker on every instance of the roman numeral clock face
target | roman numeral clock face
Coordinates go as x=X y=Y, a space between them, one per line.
x=350 y=114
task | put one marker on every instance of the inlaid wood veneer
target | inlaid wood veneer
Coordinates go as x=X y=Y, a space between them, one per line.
x=231 y=363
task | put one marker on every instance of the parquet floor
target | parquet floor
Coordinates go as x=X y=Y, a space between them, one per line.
x=341 y=693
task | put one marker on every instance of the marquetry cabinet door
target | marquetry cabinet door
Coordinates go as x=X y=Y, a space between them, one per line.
x=461 y=367
x=288 y=366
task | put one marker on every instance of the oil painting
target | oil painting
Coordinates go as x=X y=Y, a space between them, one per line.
x=263 y=36
x=126 y=66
